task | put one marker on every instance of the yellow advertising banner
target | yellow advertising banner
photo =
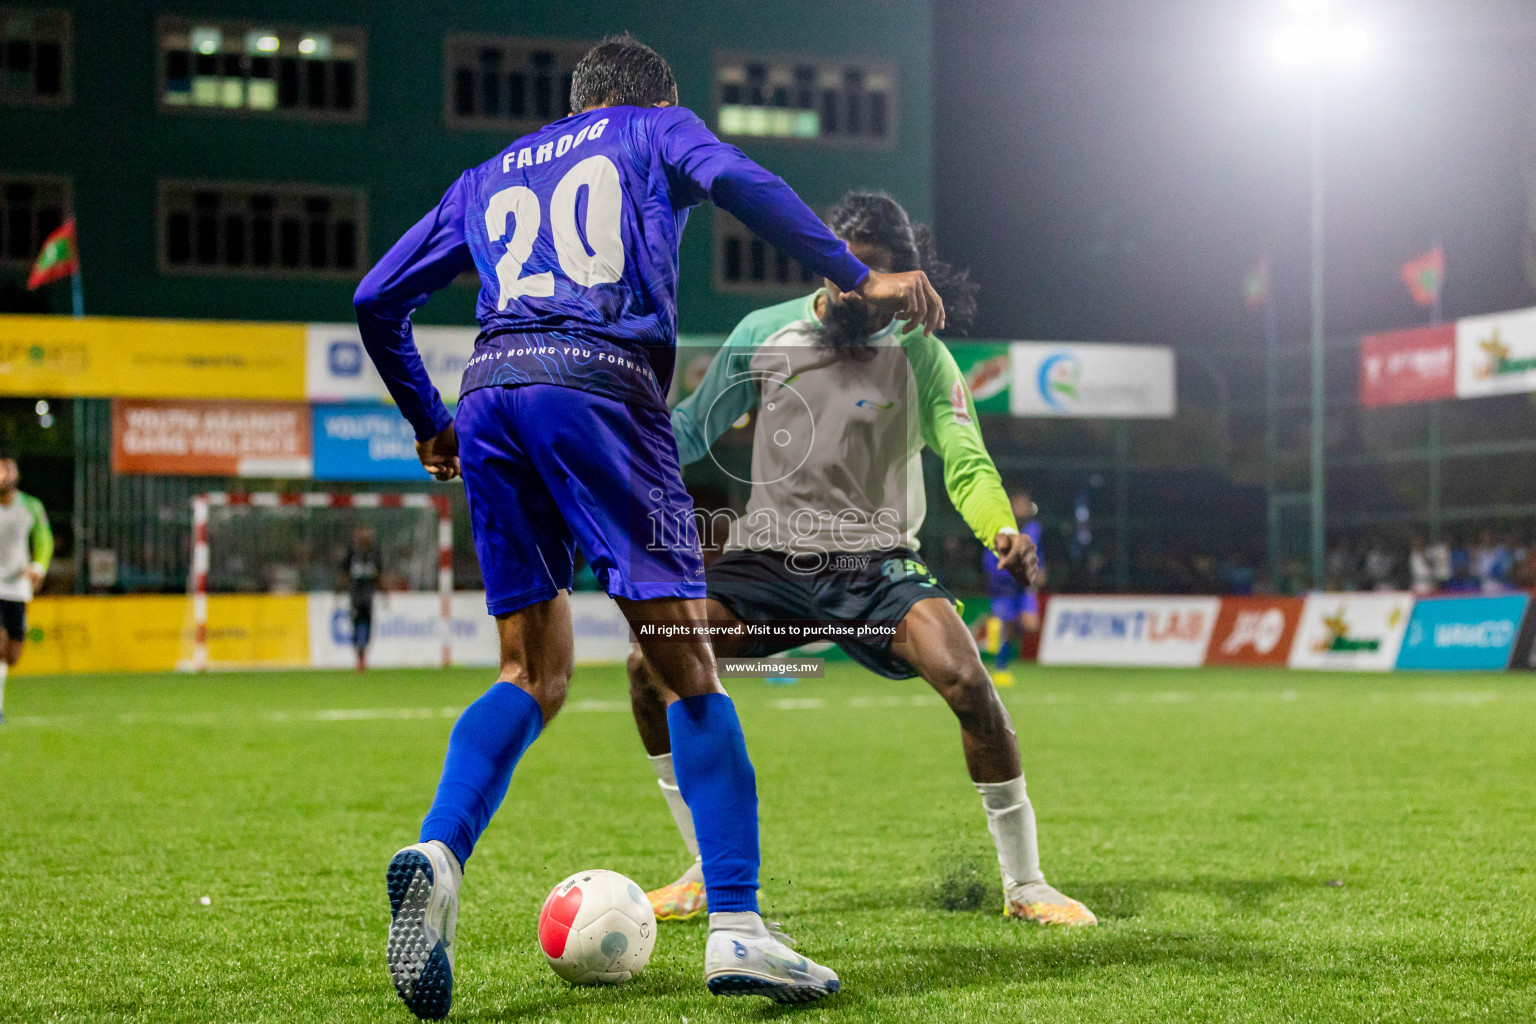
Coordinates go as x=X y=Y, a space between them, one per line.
x=120 y=357
x=153 y=633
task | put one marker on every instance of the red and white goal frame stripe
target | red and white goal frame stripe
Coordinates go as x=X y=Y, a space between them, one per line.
x=201 y=503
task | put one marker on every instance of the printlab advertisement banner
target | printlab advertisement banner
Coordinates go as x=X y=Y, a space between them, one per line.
x=364 y=442
x=1408 y=366
x=406 y=631
x=1360 y=632
x=1496 y=354
x=1157 y=631
x=1463 y=632
x=337 y=368
x=1092 y=380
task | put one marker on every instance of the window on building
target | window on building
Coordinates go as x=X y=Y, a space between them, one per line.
x=30 y=208
x=745 y=263
x=262 y=230
x=285 y=70
x=821 y=101
x=34 y=56
x=505 y=83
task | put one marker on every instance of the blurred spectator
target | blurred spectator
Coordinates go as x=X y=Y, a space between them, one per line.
x=1341 y=568
x=1439 y=554
x=1378 y=567
x=1494 y=563
x=1421 y=567
x=1524 y=575
x=1237 y=575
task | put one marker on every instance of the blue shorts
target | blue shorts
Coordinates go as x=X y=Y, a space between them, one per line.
x=1009 y=607
x=548 y=467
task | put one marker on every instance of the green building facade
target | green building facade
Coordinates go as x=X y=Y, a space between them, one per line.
x=160 y=126
x=250 y=160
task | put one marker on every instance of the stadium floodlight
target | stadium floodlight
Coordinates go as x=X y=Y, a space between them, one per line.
x=1316 y=40
x=1319 y=41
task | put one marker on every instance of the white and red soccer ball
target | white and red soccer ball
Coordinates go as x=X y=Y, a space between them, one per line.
x=597 y=928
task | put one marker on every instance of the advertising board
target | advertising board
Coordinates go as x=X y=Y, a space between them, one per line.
x=1254 y=631
x=1095 y=630
x=1463 y=632
x=1355 y=631
x=1091 y=380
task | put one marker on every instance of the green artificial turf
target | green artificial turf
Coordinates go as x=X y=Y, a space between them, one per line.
x=1258 y=846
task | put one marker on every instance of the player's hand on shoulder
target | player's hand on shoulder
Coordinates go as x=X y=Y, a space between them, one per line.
x=908 y=295
x=440 y=454
x=1016 y=554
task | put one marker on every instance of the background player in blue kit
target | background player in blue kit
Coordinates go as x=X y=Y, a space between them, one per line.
x=1015 y=610
x=563 y=438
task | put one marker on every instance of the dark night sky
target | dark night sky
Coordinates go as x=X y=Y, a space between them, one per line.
x=1116 y=168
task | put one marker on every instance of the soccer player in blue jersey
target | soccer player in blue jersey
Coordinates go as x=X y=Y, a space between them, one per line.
x=1015 y=611
x=563 y=438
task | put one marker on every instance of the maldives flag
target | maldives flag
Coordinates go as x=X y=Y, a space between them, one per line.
x=1424 y=275
x=59 y=258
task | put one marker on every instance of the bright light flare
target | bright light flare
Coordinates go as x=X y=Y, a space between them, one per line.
x=1321 y=43
x=1310 y=8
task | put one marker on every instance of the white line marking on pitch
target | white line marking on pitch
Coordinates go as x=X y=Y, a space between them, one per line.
x=1458 y=698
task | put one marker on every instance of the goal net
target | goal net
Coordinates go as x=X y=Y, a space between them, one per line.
x=267 y=582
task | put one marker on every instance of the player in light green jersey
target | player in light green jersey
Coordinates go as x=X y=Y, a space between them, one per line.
x=26 y=548
x=844 y=403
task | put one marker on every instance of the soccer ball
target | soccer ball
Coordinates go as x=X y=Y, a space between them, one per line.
x=597 y=928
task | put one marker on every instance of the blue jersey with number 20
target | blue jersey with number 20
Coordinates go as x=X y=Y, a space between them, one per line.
x=574 y=232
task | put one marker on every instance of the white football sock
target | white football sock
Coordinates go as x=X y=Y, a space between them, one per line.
x=667 y=779
x=1011 y=820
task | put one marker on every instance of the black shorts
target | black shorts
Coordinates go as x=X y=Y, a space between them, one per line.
x=13 y=619
x=758 y=586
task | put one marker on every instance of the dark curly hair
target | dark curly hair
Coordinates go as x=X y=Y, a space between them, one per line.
x=622 y=71
x=874 y=218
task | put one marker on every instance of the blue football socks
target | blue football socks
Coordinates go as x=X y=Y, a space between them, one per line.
x=485 y=745
x=709 y=755
x=1004 y=654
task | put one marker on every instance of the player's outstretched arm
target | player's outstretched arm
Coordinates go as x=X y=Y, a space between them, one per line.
x=948 y=418
x=704 y=167
x=727 y=391
x=423 y=261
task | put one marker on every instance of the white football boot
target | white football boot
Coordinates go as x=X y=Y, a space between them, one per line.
x=743 y=958
x=423 y=883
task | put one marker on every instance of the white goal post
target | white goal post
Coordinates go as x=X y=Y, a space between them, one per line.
x=197 y=583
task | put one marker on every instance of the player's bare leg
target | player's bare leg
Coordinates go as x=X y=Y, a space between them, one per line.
x=423 y=879
x=741 y=956
x=944 y=653
x=649 y=697
x=10 y=654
